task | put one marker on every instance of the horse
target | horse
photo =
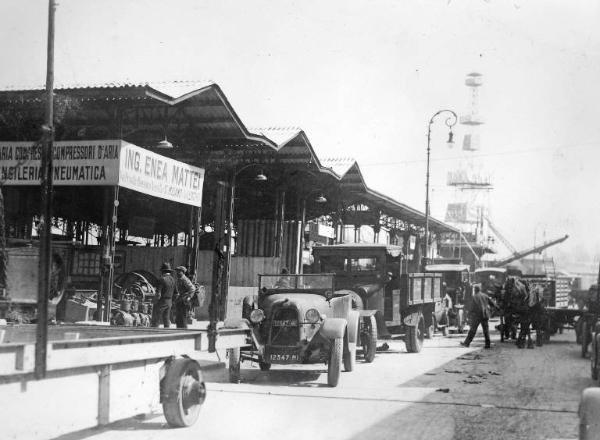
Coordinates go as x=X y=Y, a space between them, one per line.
x=508 y=320
x=527 y=306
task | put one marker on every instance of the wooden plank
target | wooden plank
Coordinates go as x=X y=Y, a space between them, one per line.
x=104 y=395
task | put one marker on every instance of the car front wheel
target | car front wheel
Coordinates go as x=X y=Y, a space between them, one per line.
x=334 y=367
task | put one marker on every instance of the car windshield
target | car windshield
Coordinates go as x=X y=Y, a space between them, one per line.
x=296 y=283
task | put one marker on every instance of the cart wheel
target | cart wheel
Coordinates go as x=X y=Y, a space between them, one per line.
x=414 y=336
x=460 y=321
x=369 y=339
x=584 y=338
x=234 y=364
x=183 y=393
x=334 y=367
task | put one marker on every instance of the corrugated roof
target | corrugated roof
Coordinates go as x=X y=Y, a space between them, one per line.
x=339 y=165
x=279 y=135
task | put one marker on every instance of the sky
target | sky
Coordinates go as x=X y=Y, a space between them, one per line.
x=362 y=78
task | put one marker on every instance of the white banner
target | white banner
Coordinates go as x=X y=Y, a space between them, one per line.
x=104 y=163
x=159 y=176
x=75 y=163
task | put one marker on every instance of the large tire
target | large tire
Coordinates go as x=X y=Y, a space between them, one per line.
x=334 y=366
x=264 y=366
x=460 y=321
x=415 y=335
x=594 y=359
x=369 y=339
x=234 y=364
x=584 y=338
x=430 y=330
x=183 y=393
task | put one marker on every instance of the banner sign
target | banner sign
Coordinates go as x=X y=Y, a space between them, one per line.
x=159 y=176
x=103 y=163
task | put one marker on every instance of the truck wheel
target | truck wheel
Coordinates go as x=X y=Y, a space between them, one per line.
x=594 y=359
x=264 y=366
x=334 y=367
x=234 y=364
x=460 y=321
x=414 y=336
x=429 y=331
x=445 y=330
x=369 y=339
x=584 y=338
x=183 y=393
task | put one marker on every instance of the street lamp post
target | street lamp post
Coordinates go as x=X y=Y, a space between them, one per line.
x=450 y=122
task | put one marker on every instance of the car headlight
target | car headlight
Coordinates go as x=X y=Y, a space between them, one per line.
x=257 y=315
x=312 y=316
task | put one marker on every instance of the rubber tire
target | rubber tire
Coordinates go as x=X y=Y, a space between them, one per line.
x=460 y=321
x=234 y=364
x=445 y=330
x=350 y=358
x=584 y=338
x=173 y=386
x=369 y=339
x=594 y=360
x=414 y=336
x=334 y=366
x=264 y=366
x=430 y=330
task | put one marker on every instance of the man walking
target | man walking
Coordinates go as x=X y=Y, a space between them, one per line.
x=479 y=314
x=161 y=312
x=185 y=291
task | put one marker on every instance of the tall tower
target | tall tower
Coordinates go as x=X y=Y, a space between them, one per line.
x=471 y=185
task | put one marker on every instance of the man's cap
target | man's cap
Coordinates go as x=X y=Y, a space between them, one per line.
x=166 y=267
x=181 y=268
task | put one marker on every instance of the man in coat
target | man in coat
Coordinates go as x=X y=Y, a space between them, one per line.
x=163 y=301
x=185 y=291
x=479 y=314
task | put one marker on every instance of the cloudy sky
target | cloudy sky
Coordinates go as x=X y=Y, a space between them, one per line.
x=363 y=78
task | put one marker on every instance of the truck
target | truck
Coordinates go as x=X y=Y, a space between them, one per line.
x=387 y=297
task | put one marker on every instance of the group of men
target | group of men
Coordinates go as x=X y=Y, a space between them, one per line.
x=178 y=291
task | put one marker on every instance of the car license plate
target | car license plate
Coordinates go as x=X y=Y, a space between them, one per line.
x=285 y=358
x=285 y=322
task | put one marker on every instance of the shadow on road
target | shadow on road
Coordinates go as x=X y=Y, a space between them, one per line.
x=130 y=424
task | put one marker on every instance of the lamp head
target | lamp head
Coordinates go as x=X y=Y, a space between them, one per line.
x=450 y=142
x=164 y=144
x=260 y=177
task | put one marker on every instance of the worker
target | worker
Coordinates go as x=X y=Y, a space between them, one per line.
x=185 y=293
x=479 y=314
x=163 y=300
x=284 y=282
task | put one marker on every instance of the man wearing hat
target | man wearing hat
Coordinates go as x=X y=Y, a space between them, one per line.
x=161 y=312
x=185 y=291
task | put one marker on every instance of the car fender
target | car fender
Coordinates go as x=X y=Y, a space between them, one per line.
x=333 y=328
x=367 y=313
x=353 y=323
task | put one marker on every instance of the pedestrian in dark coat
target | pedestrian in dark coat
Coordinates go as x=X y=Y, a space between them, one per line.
x=185 y=291
x=161 y=311
x=479 y=313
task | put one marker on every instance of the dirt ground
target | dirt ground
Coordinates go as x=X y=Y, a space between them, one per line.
x=501 y=393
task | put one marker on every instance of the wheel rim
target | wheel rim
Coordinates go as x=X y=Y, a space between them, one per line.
x=193 y=393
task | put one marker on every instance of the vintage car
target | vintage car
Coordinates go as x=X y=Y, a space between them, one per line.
x=456 y=294
x=386 y=296
x=299 y=319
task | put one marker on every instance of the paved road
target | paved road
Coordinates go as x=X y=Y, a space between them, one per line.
x=502 y=393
